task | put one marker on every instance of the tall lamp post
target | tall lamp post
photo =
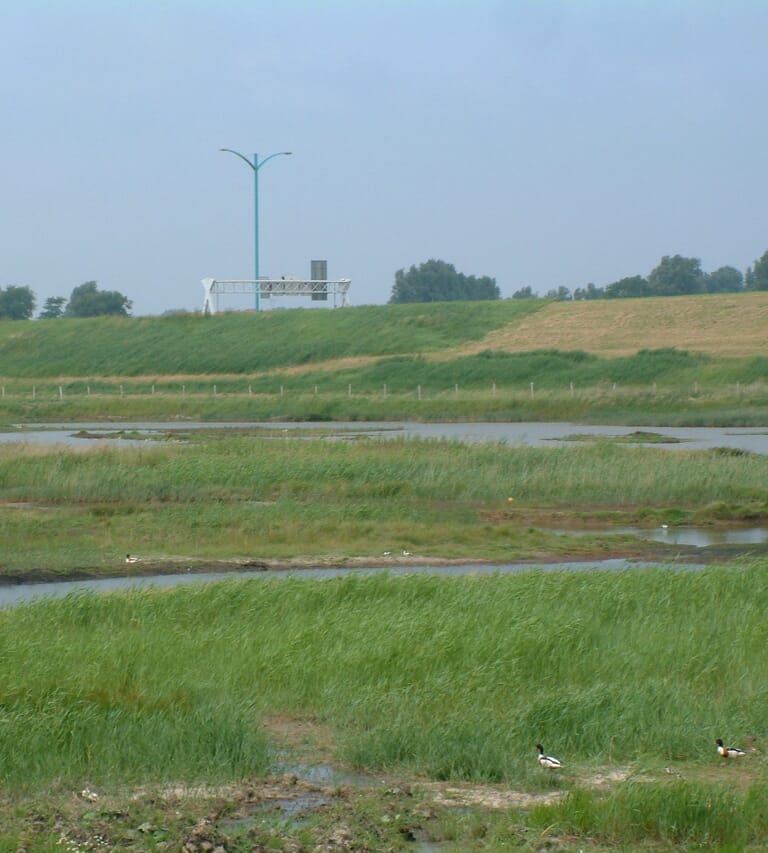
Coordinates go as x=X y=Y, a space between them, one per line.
x=256 y=164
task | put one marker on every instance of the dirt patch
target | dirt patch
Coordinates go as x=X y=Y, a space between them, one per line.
x=486 y=796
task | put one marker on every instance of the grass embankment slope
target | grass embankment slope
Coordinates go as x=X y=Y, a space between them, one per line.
x=692 y=360
x=718 y=325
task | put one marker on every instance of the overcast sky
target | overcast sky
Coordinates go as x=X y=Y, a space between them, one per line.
x=540 y=142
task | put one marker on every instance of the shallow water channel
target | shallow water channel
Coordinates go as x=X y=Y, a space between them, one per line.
x=17 y=593
x=545 y=434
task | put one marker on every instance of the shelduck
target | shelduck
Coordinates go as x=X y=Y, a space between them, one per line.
x=130 y=559
x=728 y=751
x=547 y=761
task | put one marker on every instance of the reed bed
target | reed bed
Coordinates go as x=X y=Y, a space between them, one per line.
x=253 y=468
x=456 y=678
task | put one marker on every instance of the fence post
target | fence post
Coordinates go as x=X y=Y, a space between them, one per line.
x=385 y=390
x=493 y=388
x=349 y=390
x=456 y=389
x=531 y=389
x=61 y=393
x=418 y=392
x=571 y=389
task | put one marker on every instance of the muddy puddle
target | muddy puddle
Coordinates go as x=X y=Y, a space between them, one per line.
x=696 y=537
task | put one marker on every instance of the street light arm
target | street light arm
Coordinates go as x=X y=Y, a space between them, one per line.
x=255 y=165
x=276 y=154
x=241 y=156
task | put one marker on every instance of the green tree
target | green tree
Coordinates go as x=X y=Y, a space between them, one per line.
x=88 y=301
x=630 y=287
x=524 y=293
x=438 y=281
x=724 y=280
x=562 y=294
x=589 y=292
x=53 y=308
x=675 y=276
x=759 y=277
x=16 y=303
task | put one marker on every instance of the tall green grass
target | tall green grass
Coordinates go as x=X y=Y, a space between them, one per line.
x=323 y=472
x=451 y=677
x=694 y=814
x=249 y=497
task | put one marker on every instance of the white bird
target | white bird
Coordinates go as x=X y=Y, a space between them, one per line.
x=547 y=761
x=728 y=751
x=406 y=553
x=130 y=559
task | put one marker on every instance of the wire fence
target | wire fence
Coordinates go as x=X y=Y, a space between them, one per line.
x=418 y=391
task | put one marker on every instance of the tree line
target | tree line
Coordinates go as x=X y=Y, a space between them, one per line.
x=675 y=275
x=86 y=300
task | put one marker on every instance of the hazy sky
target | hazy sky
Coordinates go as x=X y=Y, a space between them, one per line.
x=540 y=142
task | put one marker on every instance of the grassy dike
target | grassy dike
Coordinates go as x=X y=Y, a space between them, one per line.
x=420 y=679
x=505 y=360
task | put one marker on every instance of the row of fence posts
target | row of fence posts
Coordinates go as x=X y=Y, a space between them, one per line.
x=349 y=390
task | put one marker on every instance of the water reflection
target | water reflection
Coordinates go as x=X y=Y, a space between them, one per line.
x=698 y=537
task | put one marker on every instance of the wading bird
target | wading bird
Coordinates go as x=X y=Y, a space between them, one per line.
x=547 y=761
x=728 y=751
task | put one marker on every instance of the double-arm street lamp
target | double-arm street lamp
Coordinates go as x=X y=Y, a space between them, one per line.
x=256 y=164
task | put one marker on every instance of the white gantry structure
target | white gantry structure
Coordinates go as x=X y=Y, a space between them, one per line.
x=317 y=289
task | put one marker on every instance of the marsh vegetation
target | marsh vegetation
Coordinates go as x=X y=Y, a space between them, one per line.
x=246 y=497
x=437 y=688
x=197 y=719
